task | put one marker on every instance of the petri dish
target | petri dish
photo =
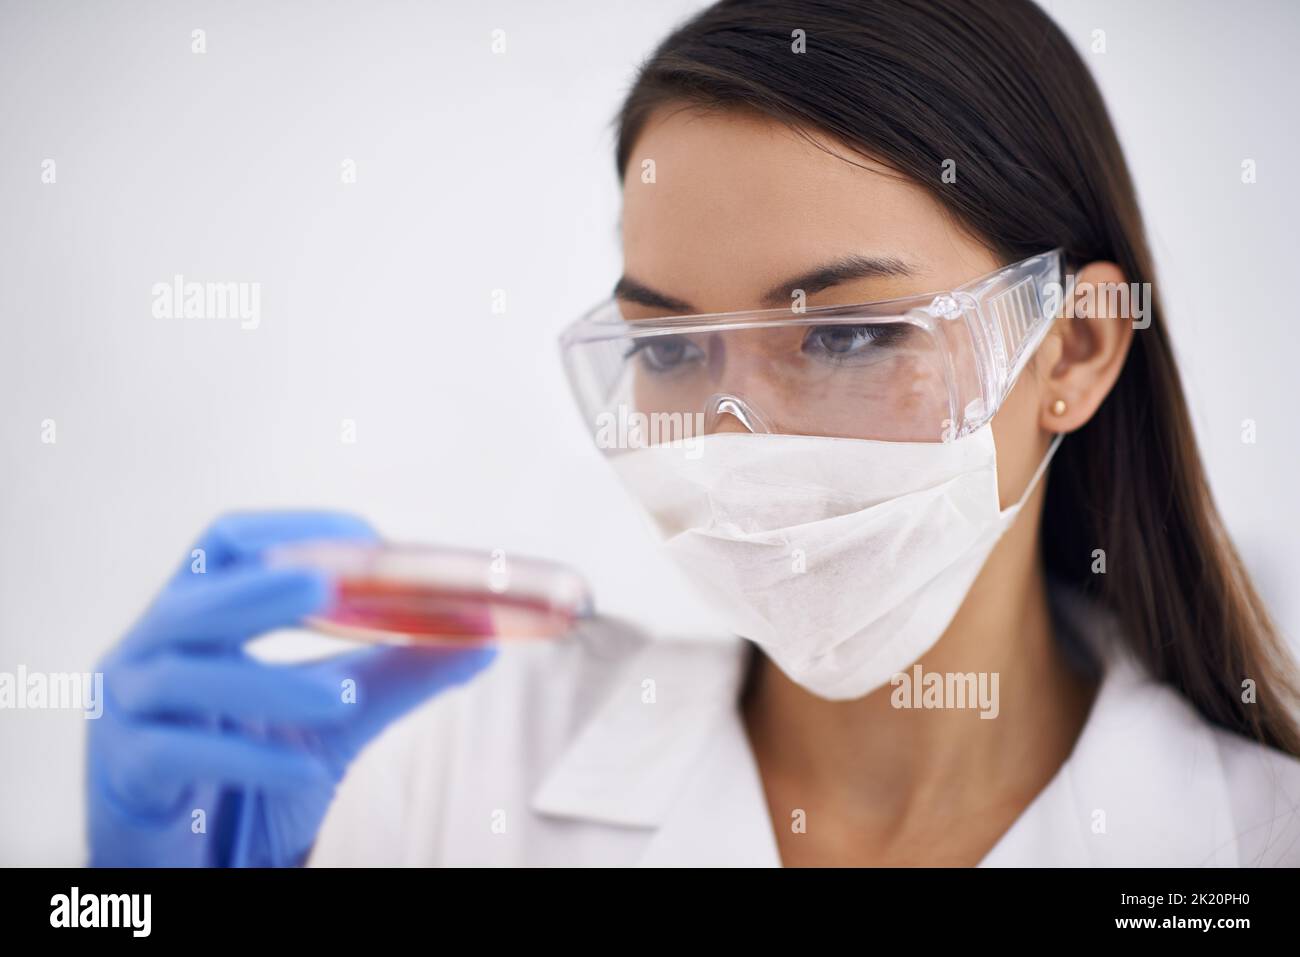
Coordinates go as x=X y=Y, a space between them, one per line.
x=429 y=595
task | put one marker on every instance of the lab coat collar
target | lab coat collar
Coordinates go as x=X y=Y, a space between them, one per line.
x=668 y=750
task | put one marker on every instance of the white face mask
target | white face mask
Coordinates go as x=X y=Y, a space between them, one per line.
x=845 y=559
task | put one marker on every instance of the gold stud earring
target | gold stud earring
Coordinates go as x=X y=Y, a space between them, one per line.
x=1058 y=407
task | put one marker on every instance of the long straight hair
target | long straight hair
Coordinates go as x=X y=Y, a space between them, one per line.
x=997 y=88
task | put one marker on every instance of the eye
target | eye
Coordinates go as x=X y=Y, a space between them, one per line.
x=841 y=342
x=665 y=353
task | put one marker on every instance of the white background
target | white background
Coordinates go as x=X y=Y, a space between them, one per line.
x=475 y=172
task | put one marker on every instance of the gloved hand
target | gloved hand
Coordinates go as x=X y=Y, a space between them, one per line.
x=192 y=723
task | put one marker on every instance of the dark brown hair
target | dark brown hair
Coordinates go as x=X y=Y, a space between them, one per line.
x=995 y=86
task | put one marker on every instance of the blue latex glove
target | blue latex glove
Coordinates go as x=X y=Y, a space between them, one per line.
x=191 y=722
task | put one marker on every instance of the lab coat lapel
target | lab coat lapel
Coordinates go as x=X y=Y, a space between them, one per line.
x=721 y=818
x=667 y=751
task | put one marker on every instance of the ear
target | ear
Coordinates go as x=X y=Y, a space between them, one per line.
x=1086 y=348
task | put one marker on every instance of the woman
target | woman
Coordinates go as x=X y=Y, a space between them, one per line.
x=873 y=256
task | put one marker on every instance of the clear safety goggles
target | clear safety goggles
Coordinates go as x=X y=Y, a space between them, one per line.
x=926 y=368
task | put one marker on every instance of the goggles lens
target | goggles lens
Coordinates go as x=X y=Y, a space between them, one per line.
x=923 y=369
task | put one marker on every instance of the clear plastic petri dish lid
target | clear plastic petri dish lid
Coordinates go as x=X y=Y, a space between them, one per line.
x=431 y=595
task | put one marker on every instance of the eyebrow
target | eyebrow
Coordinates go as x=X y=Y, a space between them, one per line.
x=845 y=269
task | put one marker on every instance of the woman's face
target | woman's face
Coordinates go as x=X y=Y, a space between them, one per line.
x=740 y=206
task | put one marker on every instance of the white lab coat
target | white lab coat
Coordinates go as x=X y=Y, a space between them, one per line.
x=617 y=749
